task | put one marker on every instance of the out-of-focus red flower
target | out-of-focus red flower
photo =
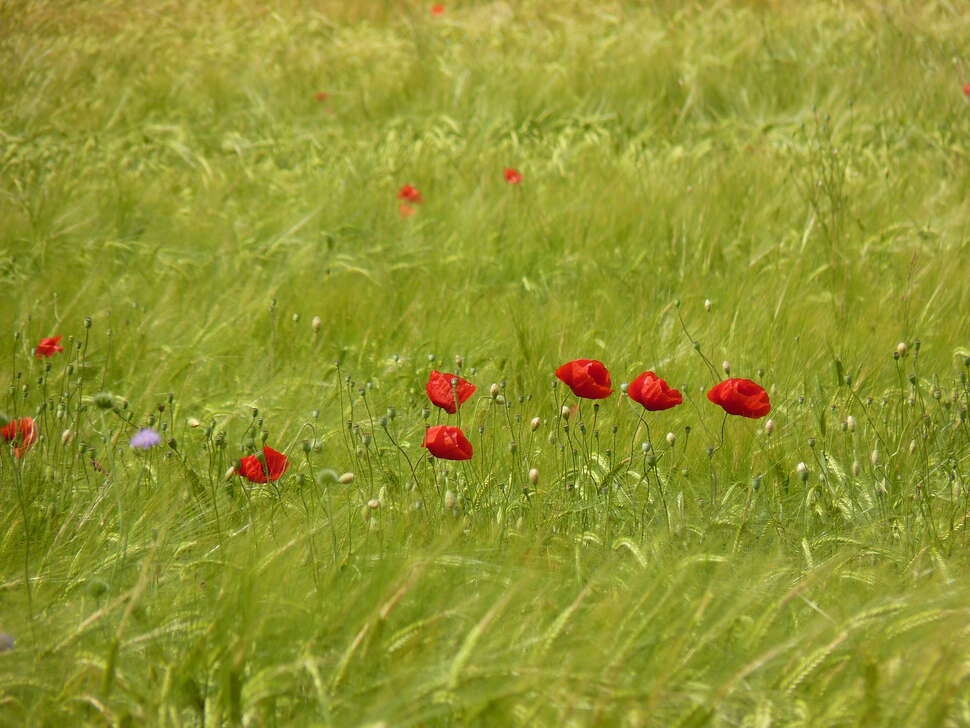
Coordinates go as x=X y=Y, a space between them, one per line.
x=513 y=176
x=437 y=9
x=587 y=378
x=441 y=393
x=410 y=194
x=21 y=434
x=653 y=392
x=49 y=347
x=321 y=96
x=966 y=90
x=447 y=443
x=253 y=470
x=407 y=210
x=741 y=397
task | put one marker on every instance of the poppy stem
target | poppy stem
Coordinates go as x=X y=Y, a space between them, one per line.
x=697 y=346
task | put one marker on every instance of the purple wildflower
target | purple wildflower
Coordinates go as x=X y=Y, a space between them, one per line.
x=146 y=438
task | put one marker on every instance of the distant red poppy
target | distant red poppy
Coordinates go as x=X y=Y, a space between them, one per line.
x=48 y=347
x=587 y=378
x=406 y=210
x=437 y=9
x=321 y=96
x=741 y=397
x=653 y=393
x=513 y=176
x=410 y=194
x=966 y=90
x=21 y=434
x=253 y=470
x=440 y=392
x=447 y=443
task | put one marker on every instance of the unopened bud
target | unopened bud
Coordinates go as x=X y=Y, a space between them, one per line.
x=316 y=322
x=708 y=305
x=671 y=439
x=494 y=390
x=373 y=504
x=901 y=348
x=192 y=422
x=67 y=436
x=459 y=361
x=230 y=472
x=534 y=424
x=850 y=423
x=533 y=476
x=346 y=478
x=726 y=366
x=450 y=500
x=103 y=400
x=874 y=457
x=802 y=470
x=769 y=426
x=856 y=468
x=565 y=412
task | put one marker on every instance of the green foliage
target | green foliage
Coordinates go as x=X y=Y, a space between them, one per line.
x=179 y=206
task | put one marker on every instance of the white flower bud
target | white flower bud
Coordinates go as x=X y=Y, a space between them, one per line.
x=726 y=366
x=533 y=476
x=67 y=436
x=565 y=412
x=902 y=349
x=316 y=323
x=850 y=423
x=494 y=390
x=769 y=426
x=373 y=504
x=192 y=422
x=874 y=457
x=708 y=305
x=534 y=424
x=671 y=438
x=346 y=478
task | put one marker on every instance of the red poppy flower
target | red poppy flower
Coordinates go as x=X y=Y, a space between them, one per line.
x=966 y=90
x=447 y=443
x=407 y=210
x=410 y=194
x=437 y=9
x=48 y=347
x=21 y=434
x=653 y=392
x=253 y=470
x=741 y=397
x=441 y=393
x=587 y=378
x=513 y=176
x=321 y=96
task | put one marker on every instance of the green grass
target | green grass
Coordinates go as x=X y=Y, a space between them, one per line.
x=176 y=203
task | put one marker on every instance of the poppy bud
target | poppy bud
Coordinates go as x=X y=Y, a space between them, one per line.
x=802 y=470
x=565 y=412
x=534 y=424
x=87 y=322
x=811 y=442
x=902 y=349
x=459 y=361
x=850 y=423
x=874 y=457
x=192 y=422
x=646 y=447
x=346 y=479
x=493 y=390
x=103 y=400
x=316 y=323
x=726 y=366
x=651 y=461
x=708 y=305
x=769 y=426
x=671 y=439
x=533 y=476
x=373 y=504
